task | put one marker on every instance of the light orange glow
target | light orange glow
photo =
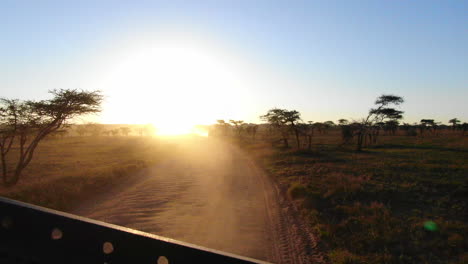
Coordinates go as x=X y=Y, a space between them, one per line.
x=174 y=85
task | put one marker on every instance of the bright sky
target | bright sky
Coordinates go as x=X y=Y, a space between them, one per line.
x=172 y=62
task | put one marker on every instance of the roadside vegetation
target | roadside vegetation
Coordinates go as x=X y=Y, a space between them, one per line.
x=48 y=161
x=401 y=201
x=371 y=190
x=66 y=171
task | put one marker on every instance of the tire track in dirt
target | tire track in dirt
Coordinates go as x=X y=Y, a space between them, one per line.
x=295 y=243
x=210 y=194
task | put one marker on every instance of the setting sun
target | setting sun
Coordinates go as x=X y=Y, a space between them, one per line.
x=181 y=81
x=172 y=128
x=234 y=131
x=168 y=129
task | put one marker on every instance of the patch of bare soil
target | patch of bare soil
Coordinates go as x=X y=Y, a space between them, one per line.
x=211 y=195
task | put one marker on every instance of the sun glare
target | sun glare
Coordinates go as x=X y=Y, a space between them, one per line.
x=172 y=128
x=174 y=85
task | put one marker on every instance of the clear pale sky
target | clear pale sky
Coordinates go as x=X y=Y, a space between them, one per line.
x=206 y=60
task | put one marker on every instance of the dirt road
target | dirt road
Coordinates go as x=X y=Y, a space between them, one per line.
x=209 y=194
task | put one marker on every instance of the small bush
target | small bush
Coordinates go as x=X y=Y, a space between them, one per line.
x=296 y=191
x=340 y=256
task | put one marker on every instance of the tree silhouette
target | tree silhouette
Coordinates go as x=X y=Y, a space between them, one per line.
x=307 y=130
x=454 y=122
x=94 y=129
x=251 y=129
x=223 y=126
x=115 y=132
x=320 y=127
x=464 y=128
x=285 y=121
x=391 y=126
x=26 y=123
x=238 y=126
x=427 y=124
x=342 y=122
x=292 y=118
x=81 y=130
x=125 y=130
x=368 y=126
x=347 y=132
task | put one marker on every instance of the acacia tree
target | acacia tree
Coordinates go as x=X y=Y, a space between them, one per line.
x=238 y=126
x=320 y=127
x=223 y=126
x=142 y=130
x=426 y=124
x=454 y=122
x=284 y=121
x=391 y=126
x=343 y=122
x=115 y=132
x=25 y=123
x=251 y=129
x=276 y=120
x=327 y=125
x=381 y=113
x=125 y=130
x=307 y=130
x=464 y=127
x=292 y=118
x=347 y=130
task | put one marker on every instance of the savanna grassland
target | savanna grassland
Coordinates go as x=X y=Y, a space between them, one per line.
x=66 y=171
x=402 y=200
x=190 y=188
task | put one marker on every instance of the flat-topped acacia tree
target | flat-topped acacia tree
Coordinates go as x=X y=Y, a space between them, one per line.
x=383 y=112
x=284 y=120
x=23 y=124
x=238 y=126
x=454 y=122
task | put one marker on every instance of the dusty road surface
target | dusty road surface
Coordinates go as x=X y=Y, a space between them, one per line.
x=209 y=194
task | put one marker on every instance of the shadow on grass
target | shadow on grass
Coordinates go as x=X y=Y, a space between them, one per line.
x=423 y=147
x=320 y=155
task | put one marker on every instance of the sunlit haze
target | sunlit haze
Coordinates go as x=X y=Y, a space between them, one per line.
x=250 y=131
x=178 y=64
x=174 y=83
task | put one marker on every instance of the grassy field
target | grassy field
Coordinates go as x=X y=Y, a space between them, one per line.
x=404 y=200
x=66 y=171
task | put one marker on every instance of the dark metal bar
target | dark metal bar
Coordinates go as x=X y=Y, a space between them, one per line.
x=33 y=234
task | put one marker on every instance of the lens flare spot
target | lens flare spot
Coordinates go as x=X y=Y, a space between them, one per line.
x=430 y=226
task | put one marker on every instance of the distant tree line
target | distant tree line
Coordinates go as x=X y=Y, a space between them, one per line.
x=383 y=119
x=92 y=129
x=24 y=124
x=236 y=128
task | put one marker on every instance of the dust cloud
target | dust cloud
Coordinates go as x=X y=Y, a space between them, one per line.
x=208 y=194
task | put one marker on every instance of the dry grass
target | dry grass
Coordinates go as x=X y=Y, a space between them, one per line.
x=66 y=171
x=371 y=206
